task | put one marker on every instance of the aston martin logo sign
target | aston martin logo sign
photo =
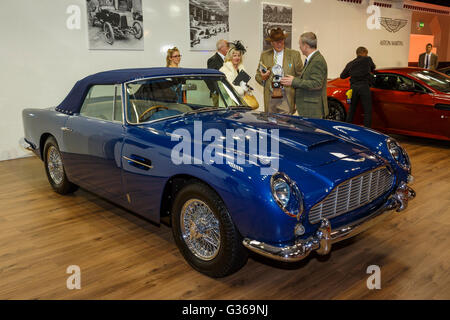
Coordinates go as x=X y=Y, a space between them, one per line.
x=393 y=25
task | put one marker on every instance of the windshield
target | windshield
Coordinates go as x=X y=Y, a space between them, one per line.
x=156 y=99
x=435 y=80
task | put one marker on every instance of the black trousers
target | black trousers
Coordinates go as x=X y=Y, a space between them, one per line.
x=361 y=92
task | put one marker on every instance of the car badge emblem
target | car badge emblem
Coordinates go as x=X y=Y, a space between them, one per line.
x=393 y=25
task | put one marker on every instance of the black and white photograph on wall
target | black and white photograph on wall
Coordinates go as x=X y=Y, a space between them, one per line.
x=276 y=16
x=115 y=24
x=208 y=21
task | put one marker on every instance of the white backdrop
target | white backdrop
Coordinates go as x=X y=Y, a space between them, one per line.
x=41 y=58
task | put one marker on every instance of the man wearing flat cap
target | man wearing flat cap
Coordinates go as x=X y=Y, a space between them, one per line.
x=274 y=64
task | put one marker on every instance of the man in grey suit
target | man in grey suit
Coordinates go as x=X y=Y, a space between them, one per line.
x=428 y=60
x=311 y=86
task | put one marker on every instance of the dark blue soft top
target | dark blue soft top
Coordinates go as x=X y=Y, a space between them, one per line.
x=74 y=100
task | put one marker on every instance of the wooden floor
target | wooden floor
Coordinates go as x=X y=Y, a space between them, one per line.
x=124 y=257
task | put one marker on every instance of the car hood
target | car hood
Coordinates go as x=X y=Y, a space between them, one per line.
x=299 y=140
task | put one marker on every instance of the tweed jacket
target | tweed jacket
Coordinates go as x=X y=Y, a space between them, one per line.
x=292 y=65
x=311 y=88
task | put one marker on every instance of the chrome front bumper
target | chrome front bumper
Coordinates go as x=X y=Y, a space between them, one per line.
x=325 y=236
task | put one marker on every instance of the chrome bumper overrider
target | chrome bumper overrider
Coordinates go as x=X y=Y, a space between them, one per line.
x=325 y=236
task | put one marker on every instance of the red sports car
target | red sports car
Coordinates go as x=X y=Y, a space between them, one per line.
x=410 y=101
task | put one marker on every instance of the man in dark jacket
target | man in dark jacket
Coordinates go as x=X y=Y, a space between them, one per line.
x=360 y=70
x=428 y=60
x=216 y=61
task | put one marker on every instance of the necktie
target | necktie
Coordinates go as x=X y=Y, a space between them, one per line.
x=278 y=59
x=427 y=63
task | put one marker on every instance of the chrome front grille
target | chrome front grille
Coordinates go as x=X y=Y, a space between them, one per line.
x=353 y=194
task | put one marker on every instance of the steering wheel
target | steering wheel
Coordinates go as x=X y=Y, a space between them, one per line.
x=142 y=116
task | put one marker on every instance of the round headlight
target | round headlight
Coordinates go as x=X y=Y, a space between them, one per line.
x=287 y=195
x=281 y=191
x=394 y=150
x=399 y=154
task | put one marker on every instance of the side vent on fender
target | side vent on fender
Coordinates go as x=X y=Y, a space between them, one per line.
x=139 y=162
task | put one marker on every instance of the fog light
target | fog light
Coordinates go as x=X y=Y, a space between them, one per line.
x=299 y=230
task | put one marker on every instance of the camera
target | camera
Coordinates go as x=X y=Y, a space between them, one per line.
x=278 y=73
x=276 y=82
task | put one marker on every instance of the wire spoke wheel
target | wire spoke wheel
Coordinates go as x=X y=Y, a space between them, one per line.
x=138 y=30
x=200 y=229
x=204 y=231
x=55 y=165
x=109 y=33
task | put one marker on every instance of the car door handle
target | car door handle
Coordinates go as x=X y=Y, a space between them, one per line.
x=139 y=162
x=65 y=129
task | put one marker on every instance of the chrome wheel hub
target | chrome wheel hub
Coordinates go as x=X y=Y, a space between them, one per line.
x=55 y=165
x=200 y=229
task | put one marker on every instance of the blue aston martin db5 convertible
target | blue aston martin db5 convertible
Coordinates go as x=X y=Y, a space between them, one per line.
x=180 y=144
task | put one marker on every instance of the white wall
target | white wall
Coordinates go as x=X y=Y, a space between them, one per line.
x=41 y=59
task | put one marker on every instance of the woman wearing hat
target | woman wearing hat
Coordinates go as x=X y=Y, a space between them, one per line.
x=288 y=62
x=233 y=65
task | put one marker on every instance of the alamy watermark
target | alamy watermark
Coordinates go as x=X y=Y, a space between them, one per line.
x=374 y=281
x=373 y=22
x=73 y=22
x=74 y=281
x=234 y=148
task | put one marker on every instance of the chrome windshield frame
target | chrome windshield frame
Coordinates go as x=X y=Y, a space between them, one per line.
x=125 y=95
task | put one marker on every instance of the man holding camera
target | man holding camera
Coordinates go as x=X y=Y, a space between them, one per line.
x=274 y=64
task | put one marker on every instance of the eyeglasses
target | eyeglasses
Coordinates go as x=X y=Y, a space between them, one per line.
x=177 y=56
